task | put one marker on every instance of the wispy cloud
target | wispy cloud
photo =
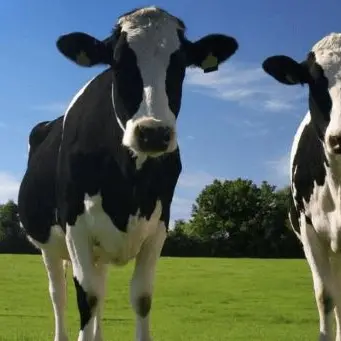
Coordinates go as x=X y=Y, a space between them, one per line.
x=246 y=84
x=9 y=187
x=280 y=169
x=195 y=180
x=53 y=107
x=249 y=128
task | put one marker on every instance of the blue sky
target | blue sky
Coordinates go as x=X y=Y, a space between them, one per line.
x=237 y=122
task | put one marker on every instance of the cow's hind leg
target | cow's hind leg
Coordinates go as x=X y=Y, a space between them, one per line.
x=57 y=289
x=141 y=287
x=317 y=256
x=336 y=268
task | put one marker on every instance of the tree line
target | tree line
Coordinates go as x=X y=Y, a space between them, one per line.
x=230 y=218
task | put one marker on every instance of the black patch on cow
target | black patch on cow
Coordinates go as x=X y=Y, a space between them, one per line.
x=93 y=160
x=38 y=134
x=127 y=80
x=37 y=192
x=308 y=220
x=320 y=102
x=174 y=79
x=328 y=304
x=86 y=304
x=308 y=165
x=144 y=304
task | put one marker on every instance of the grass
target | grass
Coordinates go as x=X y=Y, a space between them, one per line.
x=195 y=299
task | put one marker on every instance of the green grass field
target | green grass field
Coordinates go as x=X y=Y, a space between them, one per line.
x=195 y=299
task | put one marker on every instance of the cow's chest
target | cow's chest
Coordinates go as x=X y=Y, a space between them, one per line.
x=112 y=245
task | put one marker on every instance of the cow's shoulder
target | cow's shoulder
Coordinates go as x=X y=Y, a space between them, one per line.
x=309 y=162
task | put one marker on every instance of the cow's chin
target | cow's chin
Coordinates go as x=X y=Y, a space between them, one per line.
x=143 y=155
x=138 y=152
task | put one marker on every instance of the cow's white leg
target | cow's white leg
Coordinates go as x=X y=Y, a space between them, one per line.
x=57 y=289
x=101 y=273
x=84 y=275
x=317 y=256
x=141 y=286
x=336 y=269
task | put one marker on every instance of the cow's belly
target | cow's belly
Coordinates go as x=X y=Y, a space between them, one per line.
x=109 y=244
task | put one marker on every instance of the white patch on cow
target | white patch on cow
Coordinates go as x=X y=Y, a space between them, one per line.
x=57 y=290
x=53 y=252
x=75 y=98
x=55 y=244
x=153 y=42
x=111 y=244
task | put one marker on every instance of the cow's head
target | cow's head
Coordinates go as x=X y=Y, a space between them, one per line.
x=322 y=72
x=148 y=54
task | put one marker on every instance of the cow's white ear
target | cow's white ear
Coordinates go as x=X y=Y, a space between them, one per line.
x=286 y=70
x=210 y=51
x=85 y=50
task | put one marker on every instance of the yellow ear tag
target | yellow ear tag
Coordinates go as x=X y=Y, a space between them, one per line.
x=83 y=59
x=210 y=63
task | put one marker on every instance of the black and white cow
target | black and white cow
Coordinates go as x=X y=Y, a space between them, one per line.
x=100 y=180
x=316 y=171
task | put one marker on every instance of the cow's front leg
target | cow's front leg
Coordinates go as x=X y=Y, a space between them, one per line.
x=141 y=286
x=84 y=276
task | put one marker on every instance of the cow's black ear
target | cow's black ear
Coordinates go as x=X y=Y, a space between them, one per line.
x=210 y=51
x=286 y=70
x=84 y=49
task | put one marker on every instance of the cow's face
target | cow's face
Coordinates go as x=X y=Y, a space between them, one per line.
x=322 y=72
x=148 y=53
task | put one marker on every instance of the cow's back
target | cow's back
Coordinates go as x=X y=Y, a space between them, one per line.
x=37 y=197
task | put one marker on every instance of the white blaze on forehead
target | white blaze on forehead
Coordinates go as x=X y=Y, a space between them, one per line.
x=145 y=17
x=328 y=55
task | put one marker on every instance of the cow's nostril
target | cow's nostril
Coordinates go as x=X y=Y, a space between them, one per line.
x=153 y=139
x=335 y=143
x=142 y=133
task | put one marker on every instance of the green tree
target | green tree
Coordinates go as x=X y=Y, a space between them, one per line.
x=12 y=237
x=9 y=220
x=252 y=219
x=223 y=208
